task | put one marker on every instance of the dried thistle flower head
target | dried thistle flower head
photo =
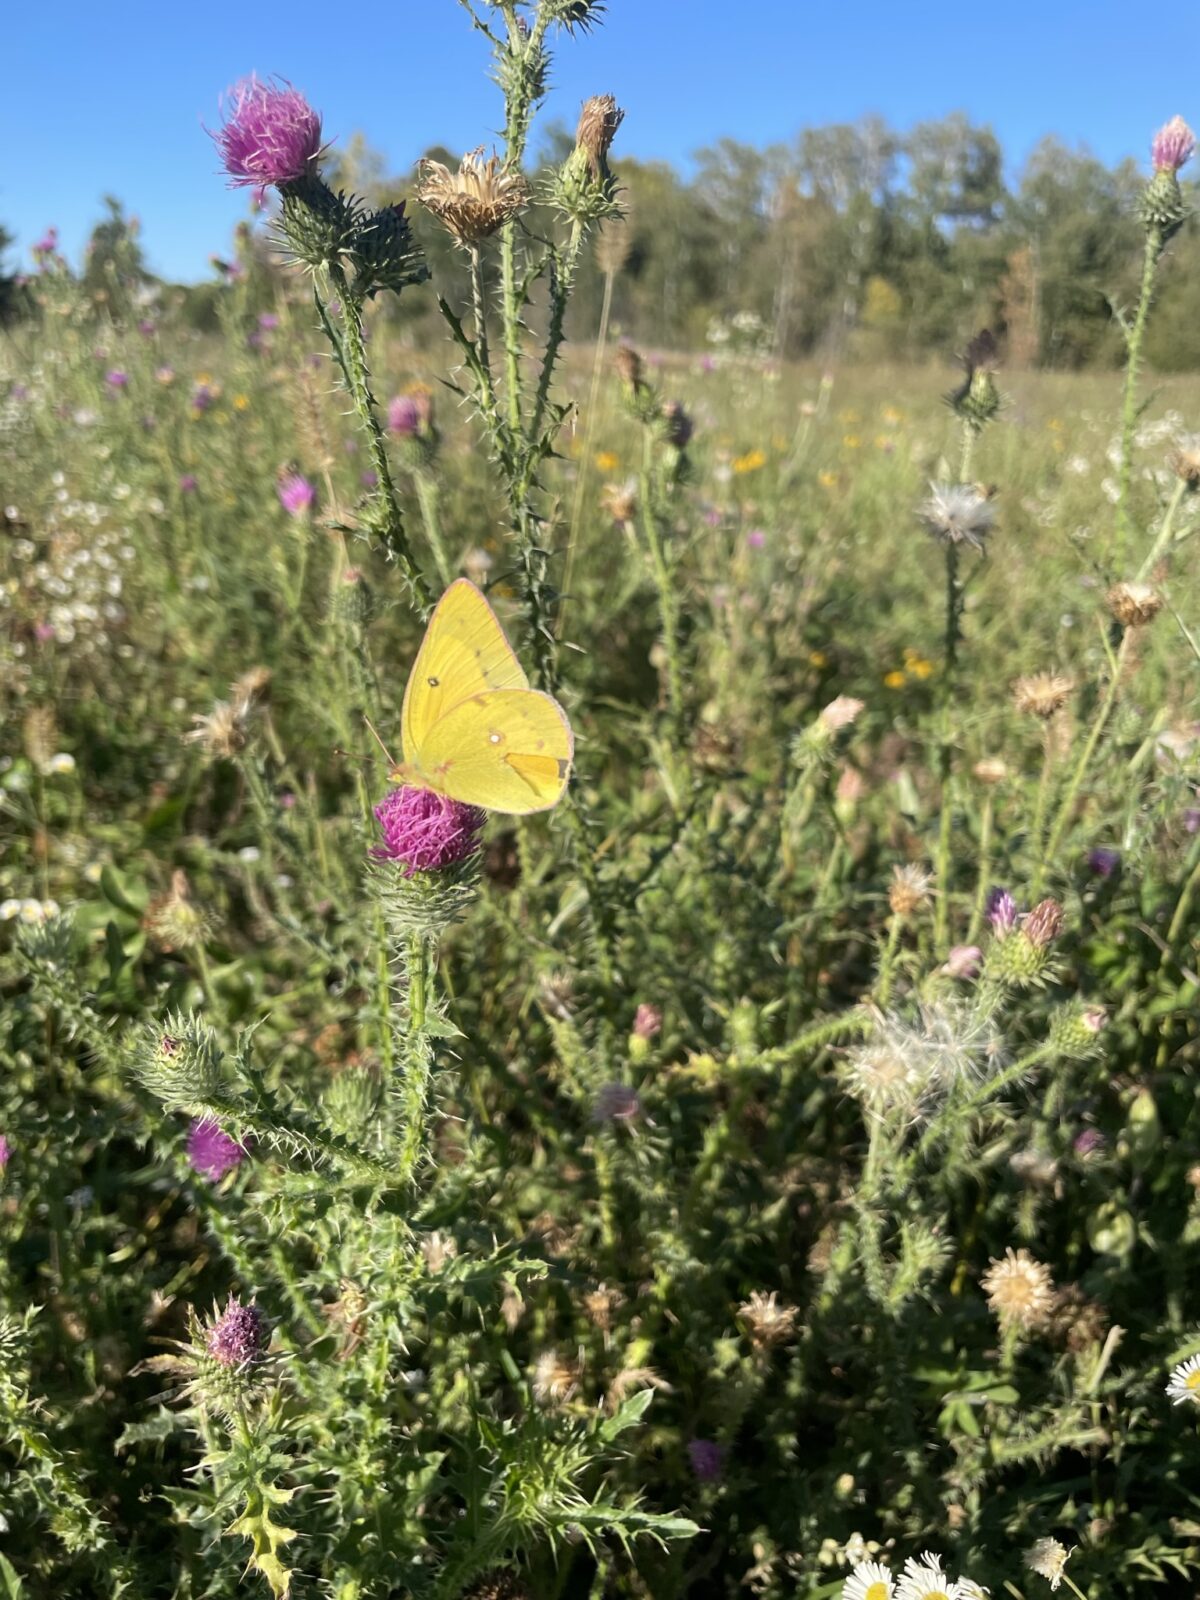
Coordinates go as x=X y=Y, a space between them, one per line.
x=1043 y=924
x=600 y=1306
x=840 y=713
x=956 y=513
x=1134 y=605
x=252 y=690
x=990 y=770
x=598 y=123
x=1020 y=1290
x=766 y=1322
x=619 y=500
x=910 y=889
x=629 y=365
x=1042 y=694
x=1048 y=1558
x=224 y=732
x=40 y=735
x=1185 y=460
x=472 y=203
x=555 y=1378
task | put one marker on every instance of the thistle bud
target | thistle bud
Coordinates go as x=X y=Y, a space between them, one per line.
x=1075 y=1031
x=384 y=253
x=179 y=1061
x=1022 y=957
x=316 y=226
x=351 y=1102
x=977 y=400
x=354 y=601
x=629 y=366
x=598 y=123
x=677 y=425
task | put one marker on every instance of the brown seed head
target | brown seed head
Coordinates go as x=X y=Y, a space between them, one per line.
x=1134 y=605
x=629 y=365
x=909 y=889
x=619 y=500
x=474 y=201
x=1185 y=460
x=598 y=123
x=1043 y=924
x=766 y=1322
x=991 y=769
x=1042 y=694
x=1020 y=1290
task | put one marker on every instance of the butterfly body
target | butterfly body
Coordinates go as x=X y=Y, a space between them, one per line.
x=472 y=728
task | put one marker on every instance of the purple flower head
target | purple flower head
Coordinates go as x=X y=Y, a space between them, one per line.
x=369 y=479
x=426 y=831
x=268 y=321
x=188 y=482
x=617 y=1102
x=295 y=493
x=203 y=396
x=212 y=1152
x=1103 y=861
x=1001 y=912
x=756 y=538
x=147 y=327
x=708 y=364
x=239 y=1335
x=707 y=1458
x=679 y=426
x=270 y=135
x=18 y=392
x=5 y=1152
x=1089 y=1141
x=116 y=379
x=1172 y=146
x=1191 y=820
x=47 y=244
x=43 y=632
x=647 y=1024
x=404 y=416
x=964 y=961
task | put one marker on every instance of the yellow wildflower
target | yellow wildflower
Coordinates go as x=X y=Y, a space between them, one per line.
x=895 y=680
x=851 y=441
x=241 y=402
x=827 y=480
x=607 y=461
x=817 y=658
x=892 y=416
x=750 y=462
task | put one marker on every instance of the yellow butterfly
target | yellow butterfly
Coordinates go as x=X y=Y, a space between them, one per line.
x=472 y=728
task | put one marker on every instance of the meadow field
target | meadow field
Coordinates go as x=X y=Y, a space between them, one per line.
x=771 y=1168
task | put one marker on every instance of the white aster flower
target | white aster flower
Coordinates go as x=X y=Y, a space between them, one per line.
x=925 y=1580
x=870 y=1580
x=1185 y=1379
x=62 y=762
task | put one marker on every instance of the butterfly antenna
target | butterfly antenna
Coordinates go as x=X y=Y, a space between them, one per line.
x=375 y=735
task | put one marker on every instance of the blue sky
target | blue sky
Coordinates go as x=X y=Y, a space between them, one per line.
x=112 y=97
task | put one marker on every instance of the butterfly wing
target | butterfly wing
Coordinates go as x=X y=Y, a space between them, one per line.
x=505 y=749
x=464 y=653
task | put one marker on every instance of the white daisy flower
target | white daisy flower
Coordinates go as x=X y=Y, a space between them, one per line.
x=925 y=1580
x=1185 y=1381
x=62 y=762
x=870 y=1580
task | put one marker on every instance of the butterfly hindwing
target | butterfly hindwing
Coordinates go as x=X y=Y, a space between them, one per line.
x=507 y=750
x=464 y=653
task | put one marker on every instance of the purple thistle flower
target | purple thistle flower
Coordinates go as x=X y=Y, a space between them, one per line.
x=203 y=396
x=756 y=538
x=617 y=1102
x=295 y=493
x=268 y=321
x=404 y=416
x=426 y=831
x=1103 y=861
x=47 y=244
x=43 y=632
x=369 y=479
x=116 y=379
x=188 y=482
x=271 y=135
x=147 y=327
x=1090 y=1140
x=1172 y=146
x=1001 y=912
x=211 y=1151
x=239 y=1334
x=5 y=1152
x=707 y=1458
x=1191 y=820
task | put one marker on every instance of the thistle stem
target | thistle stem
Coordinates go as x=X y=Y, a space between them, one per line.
x=1129 y=410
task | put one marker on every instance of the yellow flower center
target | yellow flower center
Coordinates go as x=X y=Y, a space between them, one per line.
x=1193 y=1379
x=877 y=1591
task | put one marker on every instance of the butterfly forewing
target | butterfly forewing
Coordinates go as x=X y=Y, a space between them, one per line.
x=507 y=750
x=464 y=653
